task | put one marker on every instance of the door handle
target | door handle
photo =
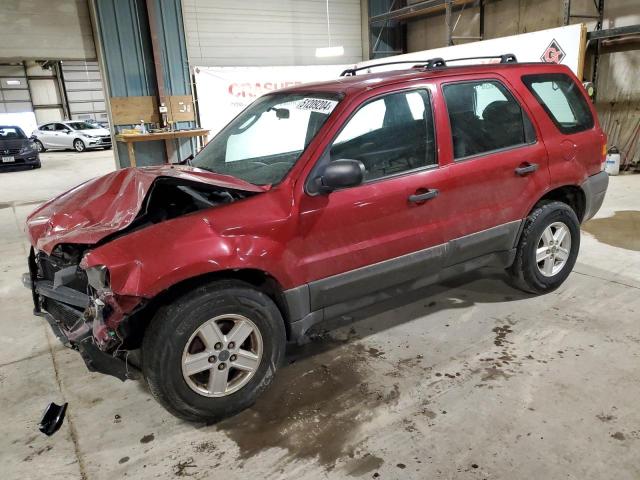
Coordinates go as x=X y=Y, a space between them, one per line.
x=527 y=169
x=423 y=197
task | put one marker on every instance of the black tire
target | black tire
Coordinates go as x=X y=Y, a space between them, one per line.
x=173 y=326
x=79 y=146
x=39 y=146
x=524 y=273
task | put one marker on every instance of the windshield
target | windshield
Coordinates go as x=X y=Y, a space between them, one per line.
x=262 y=143
x=7 y=133
x=81 y=126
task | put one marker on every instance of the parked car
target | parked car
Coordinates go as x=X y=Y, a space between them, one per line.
x=98 y=123
x=16 y=150
x=76 y=135
x=314 y=201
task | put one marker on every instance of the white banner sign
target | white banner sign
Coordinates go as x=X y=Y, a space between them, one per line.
x=223 y=92
x=556 y=45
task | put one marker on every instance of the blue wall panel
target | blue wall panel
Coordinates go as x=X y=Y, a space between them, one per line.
x=129 y=62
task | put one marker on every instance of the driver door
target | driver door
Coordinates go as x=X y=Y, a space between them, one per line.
x=387 y=230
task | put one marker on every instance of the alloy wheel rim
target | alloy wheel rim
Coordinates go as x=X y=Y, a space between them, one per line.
x=554 y=247
x=79 y=145
x=222 y=355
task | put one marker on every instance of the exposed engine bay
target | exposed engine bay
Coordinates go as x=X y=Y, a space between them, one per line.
x=171 y=198
x=79 y=304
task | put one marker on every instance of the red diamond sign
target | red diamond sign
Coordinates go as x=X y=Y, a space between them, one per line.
x=553 y=53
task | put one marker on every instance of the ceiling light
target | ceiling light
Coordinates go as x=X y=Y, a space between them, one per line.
x=329 y=52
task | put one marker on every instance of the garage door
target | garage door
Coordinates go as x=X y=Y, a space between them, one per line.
x=14 y=89
x=83 y=84
x=270 y=32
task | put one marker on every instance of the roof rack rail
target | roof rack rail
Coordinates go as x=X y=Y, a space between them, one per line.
x=352 y=71
x=436 y=62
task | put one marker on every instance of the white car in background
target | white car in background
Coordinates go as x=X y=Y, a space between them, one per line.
x=76 y=135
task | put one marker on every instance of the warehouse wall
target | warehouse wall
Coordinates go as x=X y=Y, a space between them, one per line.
x=56 y=29
x=618 y=99
x=270 y=32
x=509 y=17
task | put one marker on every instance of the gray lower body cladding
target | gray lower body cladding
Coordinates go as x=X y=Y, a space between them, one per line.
x=333 y=296
x=594 y=188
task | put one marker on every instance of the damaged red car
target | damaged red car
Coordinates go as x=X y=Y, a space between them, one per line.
x=315 y=201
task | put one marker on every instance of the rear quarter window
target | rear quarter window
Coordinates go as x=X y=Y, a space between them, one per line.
x=561 y=98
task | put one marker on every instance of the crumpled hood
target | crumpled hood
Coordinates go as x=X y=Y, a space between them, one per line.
x=97 y=208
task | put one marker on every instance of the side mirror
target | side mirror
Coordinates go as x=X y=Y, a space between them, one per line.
x=341 y=174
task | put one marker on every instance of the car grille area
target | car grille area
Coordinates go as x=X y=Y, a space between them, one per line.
x=48 y=265
x=66 y=314
x=9 y=151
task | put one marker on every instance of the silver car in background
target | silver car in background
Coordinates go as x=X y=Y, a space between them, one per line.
x=76 y=135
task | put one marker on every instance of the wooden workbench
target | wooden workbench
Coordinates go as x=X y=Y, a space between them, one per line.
x=131 y=138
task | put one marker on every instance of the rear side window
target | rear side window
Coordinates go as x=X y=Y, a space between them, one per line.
x=485 y=117
x=560 y=97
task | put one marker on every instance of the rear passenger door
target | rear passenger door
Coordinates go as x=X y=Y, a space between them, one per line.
x=46 y=135
x=497 y=165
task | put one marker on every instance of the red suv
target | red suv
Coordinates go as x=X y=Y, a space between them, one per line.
x=310 y=203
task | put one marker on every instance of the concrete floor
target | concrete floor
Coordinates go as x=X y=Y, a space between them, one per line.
x=470 y=379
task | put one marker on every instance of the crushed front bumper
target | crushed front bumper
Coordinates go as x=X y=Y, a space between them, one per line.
x=71 y=315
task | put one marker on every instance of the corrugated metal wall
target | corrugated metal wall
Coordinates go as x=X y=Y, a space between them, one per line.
x=270 y=32
x=129 y=63
x=45 y=30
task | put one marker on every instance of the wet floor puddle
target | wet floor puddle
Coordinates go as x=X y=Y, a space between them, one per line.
x=621 y=230
x=313 y=410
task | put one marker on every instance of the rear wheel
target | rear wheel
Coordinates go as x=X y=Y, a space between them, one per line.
x=78 y=145
x=212 y=352
x=548 y=248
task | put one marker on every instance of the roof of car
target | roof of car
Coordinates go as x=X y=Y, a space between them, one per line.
x=360 y=82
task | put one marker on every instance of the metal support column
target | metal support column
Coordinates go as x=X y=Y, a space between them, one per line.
x=481 y=7
x=596 y=56
x=163 y=98
x=566 y=12
x=447 y=21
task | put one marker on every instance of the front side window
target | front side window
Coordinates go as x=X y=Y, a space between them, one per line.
x=81 y=126
x=389 y=135
x=564 y=103
x=485 y=117
x=262 y=143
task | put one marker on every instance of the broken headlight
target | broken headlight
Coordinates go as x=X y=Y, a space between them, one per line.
x=98 y=277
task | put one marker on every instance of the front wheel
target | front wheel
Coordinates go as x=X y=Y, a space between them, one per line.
x=39 y=146
x=548 y=248
x=213 y=351
x=79 y=146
